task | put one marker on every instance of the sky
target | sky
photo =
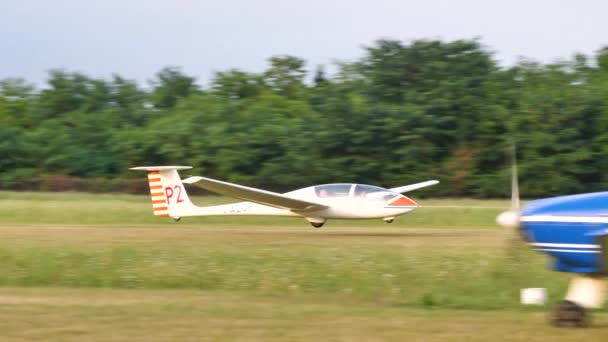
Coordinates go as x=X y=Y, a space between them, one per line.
x=136 y=38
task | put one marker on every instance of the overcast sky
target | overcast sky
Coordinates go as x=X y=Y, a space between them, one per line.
x=136 y=38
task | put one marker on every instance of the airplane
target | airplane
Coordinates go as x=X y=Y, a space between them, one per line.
x=573 y=231
x=316 y=204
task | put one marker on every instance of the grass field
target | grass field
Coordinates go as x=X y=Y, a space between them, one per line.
x=120 y=209
x=76 y=266
x=187 y=315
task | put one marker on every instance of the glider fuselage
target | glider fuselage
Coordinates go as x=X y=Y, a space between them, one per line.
x=343 y=201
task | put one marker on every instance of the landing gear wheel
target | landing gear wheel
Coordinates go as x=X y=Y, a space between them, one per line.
x=570 y=314
x=317 y=224
x=389 y=220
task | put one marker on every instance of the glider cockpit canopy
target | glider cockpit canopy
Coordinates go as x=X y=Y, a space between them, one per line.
x=354 y=190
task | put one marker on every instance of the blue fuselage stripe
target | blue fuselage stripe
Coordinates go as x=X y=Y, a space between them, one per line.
x=568 y=250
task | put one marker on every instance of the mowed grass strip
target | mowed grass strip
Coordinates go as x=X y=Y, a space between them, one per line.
x=121 y=209
x=474 y=269
x=89 y=240
x=185 y=315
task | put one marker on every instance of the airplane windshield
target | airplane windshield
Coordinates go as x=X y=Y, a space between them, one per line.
x=373 y=192
x=333 y=190
x=357 y=191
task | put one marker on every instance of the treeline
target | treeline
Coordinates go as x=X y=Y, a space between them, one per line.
x=402 y=113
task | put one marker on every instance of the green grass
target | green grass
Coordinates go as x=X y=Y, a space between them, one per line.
x=89 y=240
x=120 y=209
x=444 y=268
x=443 y=272
x=48 y=314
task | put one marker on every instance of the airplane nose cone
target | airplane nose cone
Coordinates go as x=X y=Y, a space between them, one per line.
x=403 y=201
x=508 y=219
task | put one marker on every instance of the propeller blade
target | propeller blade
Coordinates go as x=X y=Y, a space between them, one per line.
x=510 y=218
x=514 y=181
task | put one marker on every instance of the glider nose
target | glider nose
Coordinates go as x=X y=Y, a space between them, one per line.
x=402 y=202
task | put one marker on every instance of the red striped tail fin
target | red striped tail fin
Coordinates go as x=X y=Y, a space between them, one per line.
x=157 y=192
x=169 y=197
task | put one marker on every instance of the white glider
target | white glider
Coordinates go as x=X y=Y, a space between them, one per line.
x=316 y=204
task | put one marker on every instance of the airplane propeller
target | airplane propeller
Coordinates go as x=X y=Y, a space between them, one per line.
x=511 y=218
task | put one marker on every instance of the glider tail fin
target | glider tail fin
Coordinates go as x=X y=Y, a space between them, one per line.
x=169 y=197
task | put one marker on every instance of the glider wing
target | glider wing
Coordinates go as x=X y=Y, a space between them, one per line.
x=246 y=193
x=416 y=186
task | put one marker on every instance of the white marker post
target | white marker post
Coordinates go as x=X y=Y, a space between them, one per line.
x=534 y=296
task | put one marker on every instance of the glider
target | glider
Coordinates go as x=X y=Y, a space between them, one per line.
x=316 y=204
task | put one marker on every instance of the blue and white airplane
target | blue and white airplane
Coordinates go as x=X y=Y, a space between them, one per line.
x=573 y=231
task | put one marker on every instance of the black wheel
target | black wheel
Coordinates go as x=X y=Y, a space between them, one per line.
x=570 y=314
x=317 y=224
x=177 y=219
x=389 y=221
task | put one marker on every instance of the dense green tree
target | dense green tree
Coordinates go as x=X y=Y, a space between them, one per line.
x=286 y=76
x=170 y=85
x=403 y=112
x=128 y=101
x=66 y=92
x=236 y=84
